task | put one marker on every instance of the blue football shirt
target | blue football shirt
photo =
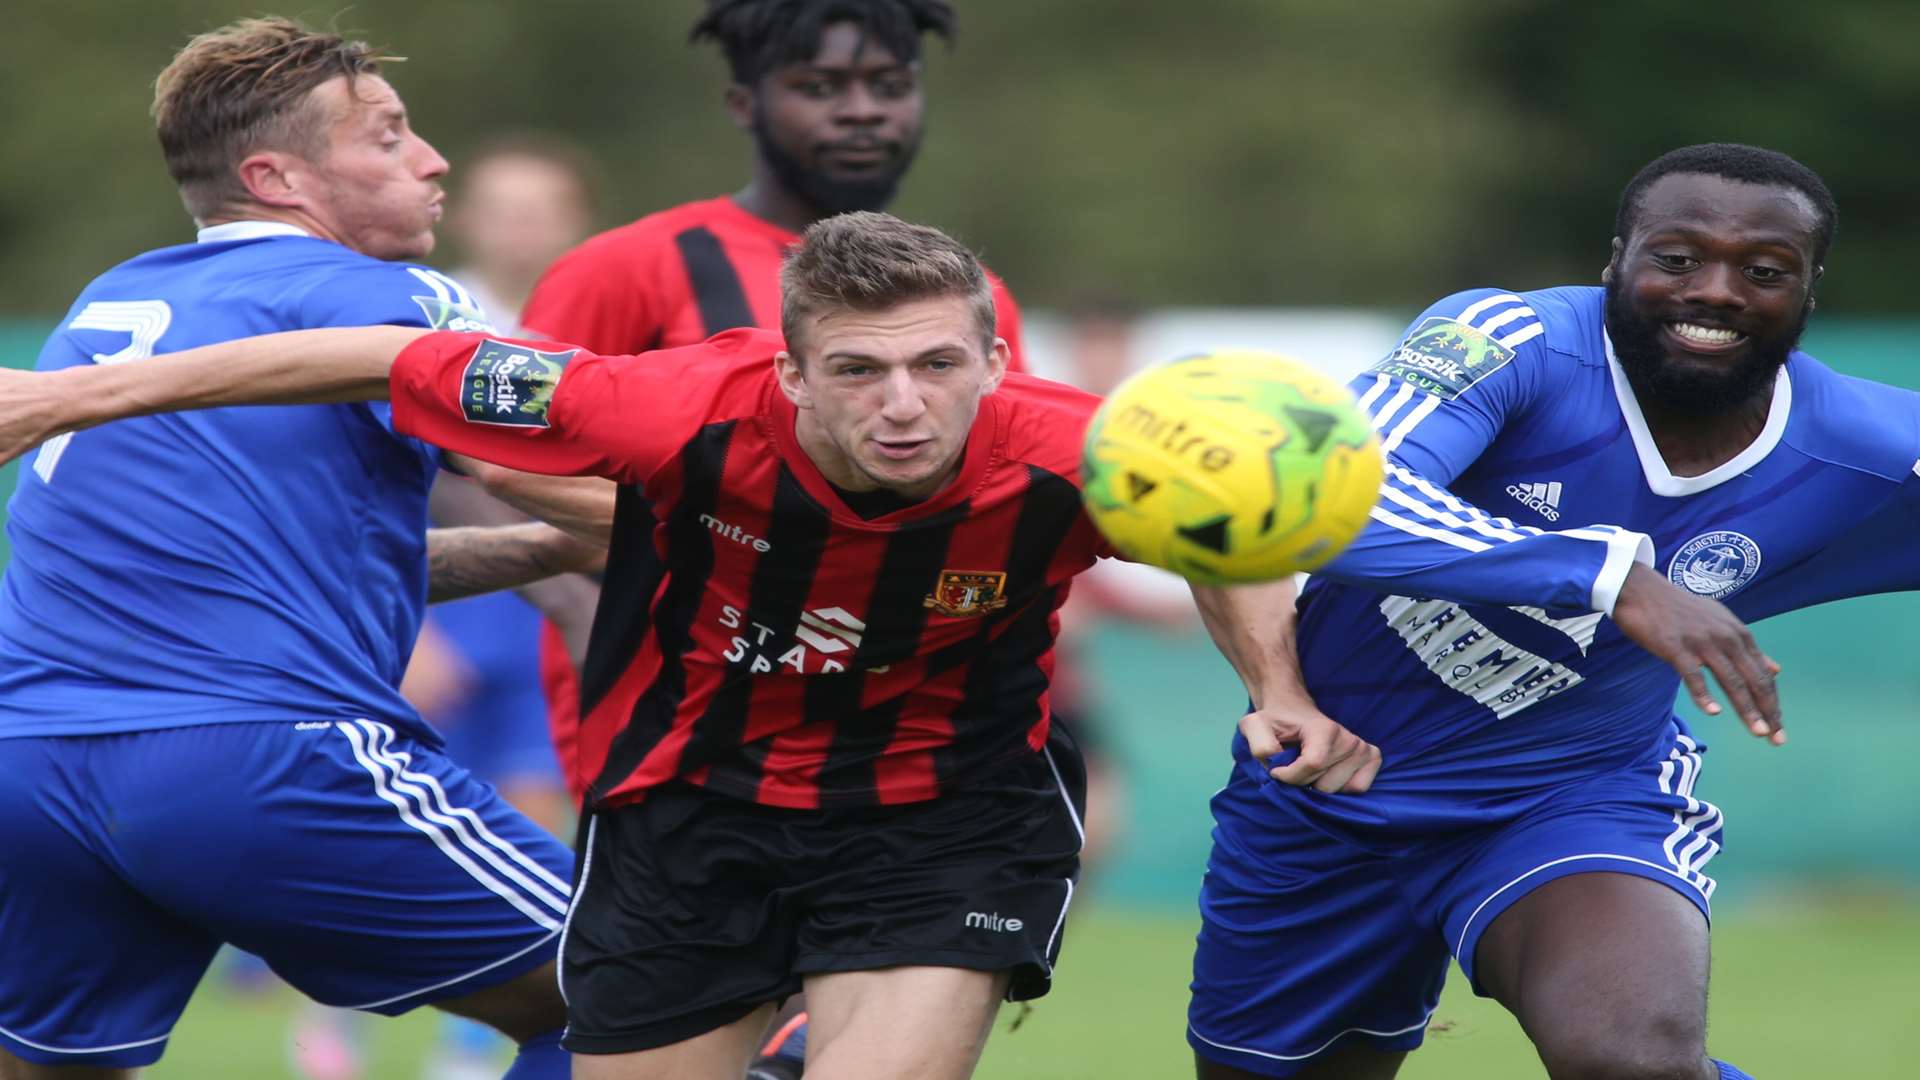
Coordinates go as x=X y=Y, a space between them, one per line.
x=238 y=564
x=1465 y=631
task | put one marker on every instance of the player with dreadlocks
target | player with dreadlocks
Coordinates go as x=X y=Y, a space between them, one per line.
x=831 y=93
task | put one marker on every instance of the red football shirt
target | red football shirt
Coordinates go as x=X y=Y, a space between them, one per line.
x=670 y=279
x=793 y=653
x=679 y=277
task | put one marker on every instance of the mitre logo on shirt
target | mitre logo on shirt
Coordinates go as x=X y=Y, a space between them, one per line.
x=511 y=384
x=965 y=593
x=1444 y=358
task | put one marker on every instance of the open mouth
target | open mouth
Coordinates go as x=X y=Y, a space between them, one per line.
x=1701 y=338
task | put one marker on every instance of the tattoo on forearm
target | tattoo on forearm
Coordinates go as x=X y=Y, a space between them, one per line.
x=470 y=560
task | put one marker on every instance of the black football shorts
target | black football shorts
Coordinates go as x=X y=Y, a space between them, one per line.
x=692 y=908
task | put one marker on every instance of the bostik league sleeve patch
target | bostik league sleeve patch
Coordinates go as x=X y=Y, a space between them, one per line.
x=511 y=384
x=1444 y=358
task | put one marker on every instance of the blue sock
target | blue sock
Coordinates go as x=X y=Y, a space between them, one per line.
x=541 y=1058
x=1728 y=1072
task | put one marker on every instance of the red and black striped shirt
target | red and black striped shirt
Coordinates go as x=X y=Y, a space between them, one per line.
x=673 y=278
x=795 y=653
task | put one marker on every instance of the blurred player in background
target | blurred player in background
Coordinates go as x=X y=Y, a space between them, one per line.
x=206 y=617
x=523 y=200
x=819 y=748
x=519 y=202
x=1536 y=815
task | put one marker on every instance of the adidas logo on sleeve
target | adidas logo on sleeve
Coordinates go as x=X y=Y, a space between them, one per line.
x=1544 y=498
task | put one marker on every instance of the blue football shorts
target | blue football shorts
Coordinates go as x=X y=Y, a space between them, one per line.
x=367 y=869
x=1311 y=936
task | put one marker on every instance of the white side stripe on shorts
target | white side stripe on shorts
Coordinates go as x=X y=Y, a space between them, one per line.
x=1065 y=796
x=1459 y=946
x=1422 y=1022
x=449 y=833
x=382 y=748
x=579 y=890
x=1696 y=824
x=423 y=991
x=1079 y=828
x=43 y=1047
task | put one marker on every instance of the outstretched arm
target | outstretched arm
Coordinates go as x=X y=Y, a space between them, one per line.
x=1463 y=373
x=567 y=600
x=1253 y=627
x=294 y=368
x=583 y=506
x=471 y=559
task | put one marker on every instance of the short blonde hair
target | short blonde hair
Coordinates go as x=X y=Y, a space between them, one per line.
x=243 y=88
x=867 y=261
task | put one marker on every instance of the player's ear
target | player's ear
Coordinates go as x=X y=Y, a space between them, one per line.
x=793 y=379
x=740 y=106
x=998 y=357
x=1613 y=258
x=271 y=177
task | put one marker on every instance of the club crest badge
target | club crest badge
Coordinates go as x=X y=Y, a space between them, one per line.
x=964 y=593
x=1715 y=564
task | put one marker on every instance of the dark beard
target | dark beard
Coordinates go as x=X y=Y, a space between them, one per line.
x=1692 y=391
x=824 y=193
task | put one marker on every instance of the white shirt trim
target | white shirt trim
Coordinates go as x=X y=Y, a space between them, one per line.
x=1660 y=479
x=1623 y=550
x=248 y=230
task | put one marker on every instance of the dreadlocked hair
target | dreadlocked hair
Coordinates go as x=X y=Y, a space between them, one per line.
x=758 y=36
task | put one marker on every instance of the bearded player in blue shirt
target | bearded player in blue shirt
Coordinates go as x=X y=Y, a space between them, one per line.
x=207 y=615
x=1511 y=678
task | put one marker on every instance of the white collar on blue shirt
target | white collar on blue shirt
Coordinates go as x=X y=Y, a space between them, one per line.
x=1660 y=478
x=248 y=230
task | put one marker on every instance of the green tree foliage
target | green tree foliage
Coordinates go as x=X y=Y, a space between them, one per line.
x=1246 y=152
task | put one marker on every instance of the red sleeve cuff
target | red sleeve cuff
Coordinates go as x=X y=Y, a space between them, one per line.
x=419 y=383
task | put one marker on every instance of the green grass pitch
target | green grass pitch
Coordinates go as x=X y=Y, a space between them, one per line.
x=1800 y=990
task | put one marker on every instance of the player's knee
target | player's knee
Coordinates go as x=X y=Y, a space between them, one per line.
x=1660 y=1048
